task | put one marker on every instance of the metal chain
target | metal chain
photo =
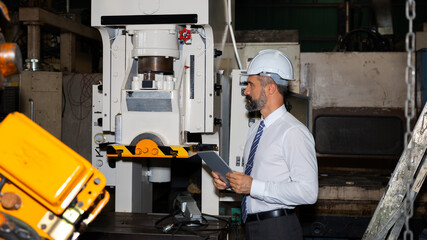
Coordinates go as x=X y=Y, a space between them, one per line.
x=408 y=207
x=410 y=71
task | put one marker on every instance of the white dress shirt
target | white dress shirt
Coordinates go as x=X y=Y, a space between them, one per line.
x=285 y=166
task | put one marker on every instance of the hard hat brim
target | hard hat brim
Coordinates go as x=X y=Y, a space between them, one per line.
x=276 y=79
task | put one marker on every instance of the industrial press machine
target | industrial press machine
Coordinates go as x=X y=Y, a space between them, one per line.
x=156 y=99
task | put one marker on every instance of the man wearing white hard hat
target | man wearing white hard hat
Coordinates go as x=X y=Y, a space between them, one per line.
x=280 y=159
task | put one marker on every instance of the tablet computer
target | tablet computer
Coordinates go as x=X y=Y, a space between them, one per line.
x=216 y=164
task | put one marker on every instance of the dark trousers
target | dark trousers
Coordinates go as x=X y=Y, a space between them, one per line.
x=284 y=227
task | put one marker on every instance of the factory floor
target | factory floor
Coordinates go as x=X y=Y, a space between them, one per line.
x=332 y=217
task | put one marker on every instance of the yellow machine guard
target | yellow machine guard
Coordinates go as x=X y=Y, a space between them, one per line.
x=55 y=185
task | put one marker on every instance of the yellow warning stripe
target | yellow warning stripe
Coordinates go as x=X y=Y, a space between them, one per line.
x=182 y=152
x=148 y=151
x=124 y=149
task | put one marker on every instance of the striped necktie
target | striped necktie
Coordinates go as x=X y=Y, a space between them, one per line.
x=250 y=163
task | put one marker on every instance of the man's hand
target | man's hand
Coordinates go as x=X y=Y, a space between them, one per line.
x=218 y=183
x=240 y=182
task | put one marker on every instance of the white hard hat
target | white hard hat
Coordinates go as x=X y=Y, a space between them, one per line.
x=272 y=63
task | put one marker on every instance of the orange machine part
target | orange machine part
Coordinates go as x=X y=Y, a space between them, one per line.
x=42 y=175
x=31 y=212
x=8 y=59
x=147 y=148
x=43 y=166
x=4 y=10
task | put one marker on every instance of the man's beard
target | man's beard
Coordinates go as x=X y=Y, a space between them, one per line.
x=255 y=105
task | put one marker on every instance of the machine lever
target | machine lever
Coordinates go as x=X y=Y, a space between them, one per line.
x=218 y=88
x=31 y=109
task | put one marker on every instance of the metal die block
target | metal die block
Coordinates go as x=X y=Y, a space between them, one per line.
x=148 y=101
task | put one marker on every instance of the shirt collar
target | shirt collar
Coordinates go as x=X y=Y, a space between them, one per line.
x=274 y=116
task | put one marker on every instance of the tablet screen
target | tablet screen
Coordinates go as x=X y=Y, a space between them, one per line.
x=216 y=164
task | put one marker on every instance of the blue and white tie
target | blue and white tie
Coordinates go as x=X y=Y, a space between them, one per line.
x=250 y=163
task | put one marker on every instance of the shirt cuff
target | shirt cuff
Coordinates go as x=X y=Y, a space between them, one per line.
x=257 y=189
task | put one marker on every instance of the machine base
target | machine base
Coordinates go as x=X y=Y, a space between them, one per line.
x=129 y=226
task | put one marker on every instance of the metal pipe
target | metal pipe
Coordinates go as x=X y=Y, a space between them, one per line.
x=230 y=27
x=68 y=6
x=299 y=5
x=315 y=5
x=118 y=135
x=347 y=16
x=33 y=41
x=31 y=109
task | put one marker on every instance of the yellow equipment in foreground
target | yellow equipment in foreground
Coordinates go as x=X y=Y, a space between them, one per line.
x=47 y=191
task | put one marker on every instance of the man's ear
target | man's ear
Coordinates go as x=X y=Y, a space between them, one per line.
x=271 y=88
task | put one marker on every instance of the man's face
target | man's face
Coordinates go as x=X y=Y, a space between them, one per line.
x=255 y=94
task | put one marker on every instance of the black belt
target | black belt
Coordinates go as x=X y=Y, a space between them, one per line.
x=269 y=214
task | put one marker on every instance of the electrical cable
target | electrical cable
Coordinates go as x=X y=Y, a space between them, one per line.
x=193 y=226
x=176 y=230
x=227 y=226
x=232 y=36
x=83 y=102
x=64 y=101
x=156 y=224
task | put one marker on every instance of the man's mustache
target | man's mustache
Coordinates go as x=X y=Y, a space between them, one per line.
x=248 y=98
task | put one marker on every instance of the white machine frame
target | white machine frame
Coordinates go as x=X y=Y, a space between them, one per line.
x=171 y=105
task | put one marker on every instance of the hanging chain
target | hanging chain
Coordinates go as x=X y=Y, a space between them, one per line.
x=410 y=71
x=408 y=207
